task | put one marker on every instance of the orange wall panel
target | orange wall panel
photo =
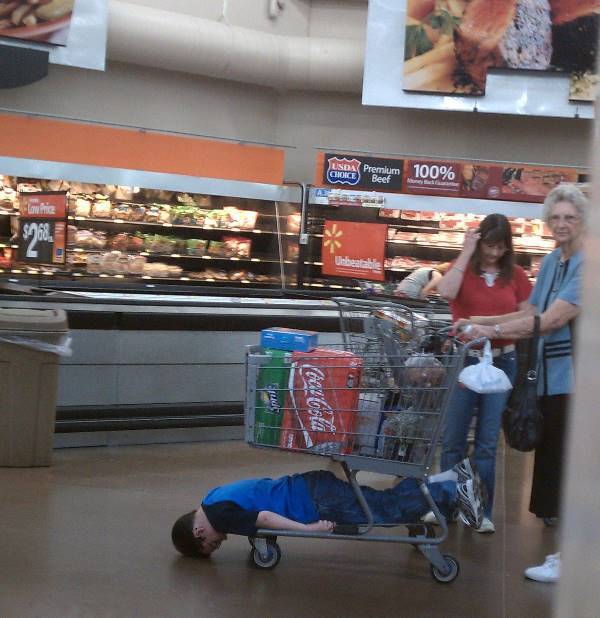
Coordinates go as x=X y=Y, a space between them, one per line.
x=76 y=142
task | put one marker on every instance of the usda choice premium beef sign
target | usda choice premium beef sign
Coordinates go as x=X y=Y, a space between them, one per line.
x=42 y=227
x=363 y=172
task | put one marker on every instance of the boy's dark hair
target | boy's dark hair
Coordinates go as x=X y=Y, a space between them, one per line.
x=183 y=537
x=496 y=228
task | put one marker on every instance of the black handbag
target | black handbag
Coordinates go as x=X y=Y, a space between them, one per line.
x=522 y=420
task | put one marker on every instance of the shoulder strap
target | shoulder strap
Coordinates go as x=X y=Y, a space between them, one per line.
x=533 y=345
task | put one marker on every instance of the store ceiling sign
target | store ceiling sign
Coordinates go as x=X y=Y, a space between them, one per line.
x=357 y=172
x=539 y=60
x=354 y=250
x=42 y=227
x=433 y=178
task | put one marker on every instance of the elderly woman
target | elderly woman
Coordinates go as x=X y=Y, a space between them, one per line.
x=556 y=297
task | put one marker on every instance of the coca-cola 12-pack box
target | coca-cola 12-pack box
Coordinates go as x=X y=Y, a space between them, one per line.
x=321 y=406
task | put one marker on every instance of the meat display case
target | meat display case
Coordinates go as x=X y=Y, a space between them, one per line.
x=165 y=230
x=422 y=230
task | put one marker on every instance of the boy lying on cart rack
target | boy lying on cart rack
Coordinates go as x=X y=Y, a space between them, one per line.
x=315 y=502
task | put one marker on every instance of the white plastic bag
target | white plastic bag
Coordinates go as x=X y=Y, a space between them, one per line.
x=62 y=346
x=484 y=377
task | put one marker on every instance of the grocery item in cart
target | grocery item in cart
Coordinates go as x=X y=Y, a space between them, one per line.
x=271 y=389
x=320 y=411
x=368 y=422
x=280 y=338
x=424 y=370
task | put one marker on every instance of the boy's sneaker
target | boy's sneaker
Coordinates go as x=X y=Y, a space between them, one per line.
x=547 y=572
x=430 y=518
x=487 y=526
x=470 y=502
x=464 y=470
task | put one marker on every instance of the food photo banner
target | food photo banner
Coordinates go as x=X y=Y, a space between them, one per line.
x=73 y=31
x=533 y=57
x=469 y=179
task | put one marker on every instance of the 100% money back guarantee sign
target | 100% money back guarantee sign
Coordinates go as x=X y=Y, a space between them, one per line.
x=42 y=227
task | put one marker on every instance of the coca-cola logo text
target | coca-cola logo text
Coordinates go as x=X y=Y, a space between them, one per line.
x=321 y=415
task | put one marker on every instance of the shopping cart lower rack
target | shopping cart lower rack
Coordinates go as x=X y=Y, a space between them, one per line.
x=375 y=403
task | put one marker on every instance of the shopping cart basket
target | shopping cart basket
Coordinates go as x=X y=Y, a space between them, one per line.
x=374 y=403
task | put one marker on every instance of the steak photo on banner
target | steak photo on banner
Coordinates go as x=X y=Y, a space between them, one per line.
x=451 y=44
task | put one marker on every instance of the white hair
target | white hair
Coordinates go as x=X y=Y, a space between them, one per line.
x=566 y=193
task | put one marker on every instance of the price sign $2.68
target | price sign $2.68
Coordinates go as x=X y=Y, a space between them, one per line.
x=34 y=233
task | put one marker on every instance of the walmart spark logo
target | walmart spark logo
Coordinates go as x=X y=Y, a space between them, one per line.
x=331 y=238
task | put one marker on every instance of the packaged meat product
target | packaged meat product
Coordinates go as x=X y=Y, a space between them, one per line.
x=292 y=251
x=293 y=223
x=119 y=242
x=322 y=399
x=82 y=207
x=195 y=246
x=94 y=263
x=411 y=215
x=390 y=213
x=121 y=211
x=135 y=243
x=164 y=214
x=203 y=201
x=136 y=264
x=71 y=234
x=242 y=219
x=405 y=236
x=122 y=266
x=109 y=262
x=137 y=213
x=236 y=246
x=101 y=209
x=152 y=214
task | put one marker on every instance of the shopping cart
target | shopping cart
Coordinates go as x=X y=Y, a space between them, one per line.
x=375 y=403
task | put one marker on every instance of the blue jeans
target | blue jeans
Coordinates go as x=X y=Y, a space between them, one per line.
x=336 y=501
x=487 y=429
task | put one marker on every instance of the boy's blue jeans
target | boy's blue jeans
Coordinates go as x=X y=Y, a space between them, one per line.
x=489 y=421
x=336 y=501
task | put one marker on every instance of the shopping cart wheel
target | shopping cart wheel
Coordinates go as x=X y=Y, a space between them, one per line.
x=452 y=572
x=269 y=560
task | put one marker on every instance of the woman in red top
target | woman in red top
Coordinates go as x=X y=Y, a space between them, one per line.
x=484 y=280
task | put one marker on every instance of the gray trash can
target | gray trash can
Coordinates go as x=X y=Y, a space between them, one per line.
x=30 y=343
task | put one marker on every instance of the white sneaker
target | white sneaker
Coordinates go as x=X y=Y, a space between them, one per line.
x=547 y=572
x=487 y=526
x=430 y=518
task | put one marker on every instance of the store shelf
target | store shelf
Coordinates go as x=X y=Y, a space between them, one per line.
x=178 y=226
x=419 y=203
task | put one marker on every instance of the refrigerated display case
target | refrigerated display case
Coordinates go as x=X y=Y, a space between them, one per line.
x=421 y=231
x=159 y=229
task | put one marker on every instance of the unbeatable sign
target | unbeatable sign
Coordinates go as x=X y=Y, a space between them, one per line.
x=363 y=172
x=354 y=250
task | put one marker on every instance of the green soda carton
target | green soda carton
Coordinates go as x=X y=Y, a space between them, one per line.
x=272 y=385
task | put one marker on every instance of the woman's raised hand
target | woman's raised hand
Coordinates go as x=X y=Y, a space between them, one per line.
x=470 y=243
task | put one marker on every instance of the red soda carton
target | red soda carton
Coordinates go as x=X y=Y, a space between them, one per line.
x=322 y=400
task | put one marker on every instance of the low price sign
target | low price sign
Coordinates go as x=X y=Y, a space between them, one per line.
x=42 y=227
x=354 y=250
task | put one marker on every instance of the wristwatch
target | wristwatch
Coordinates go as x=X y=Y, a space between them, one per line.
x=497 y=331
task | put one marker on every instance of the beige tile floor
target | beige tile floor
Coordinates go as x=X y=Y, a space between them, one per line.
x=90 y=536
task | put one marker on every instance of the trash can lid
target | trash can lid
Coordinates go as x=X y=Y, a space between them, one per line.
x=48 y=320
